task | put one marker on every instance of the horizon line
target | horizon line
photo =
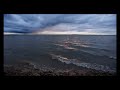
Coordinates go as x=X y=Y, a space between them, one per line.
x=61 y=34
x=11 y=33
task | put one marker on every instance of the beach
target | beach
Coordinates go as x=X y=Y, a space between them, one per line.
x=29 y=69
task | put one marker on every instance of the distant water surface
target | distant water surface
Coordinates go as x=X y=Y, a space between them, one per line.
x=62 y=51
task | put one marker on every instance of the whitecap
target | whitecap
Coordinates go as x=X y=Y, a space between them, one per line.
x=82 y=64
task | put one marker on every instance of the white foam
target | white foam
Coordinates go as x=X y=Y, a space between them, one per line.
x=82 y=64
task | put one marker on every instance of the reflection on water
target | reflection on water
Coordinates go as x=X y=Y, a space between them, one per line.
x=95 y=52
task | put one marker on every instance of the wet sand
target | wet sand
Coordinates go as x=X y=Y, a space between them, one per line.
x=29 y=69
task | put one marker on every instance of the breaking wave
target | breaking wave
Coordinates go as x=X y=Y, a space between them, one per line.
x=82 y=64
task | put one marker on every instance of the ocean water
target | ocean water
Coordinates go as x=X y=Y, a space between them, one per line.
x=62 y=51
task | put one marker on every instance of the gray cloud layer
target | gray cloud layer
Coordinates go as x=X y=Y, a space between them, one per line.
x=28 y=23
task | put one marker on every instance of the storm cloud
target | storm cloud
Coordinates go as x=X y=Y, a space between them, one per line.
x=64 y=23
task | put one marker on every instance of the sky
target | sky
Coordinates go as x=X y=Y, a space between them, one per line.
x=86 y=24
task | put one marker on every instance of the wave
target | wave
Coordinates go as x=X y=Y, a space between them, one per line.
x=70 y=48
x=82 y=64
x=72 y=43
x=99 y=53
x=85 y=45
x=93 y=52
x=96 y=51
x=112 y=57
x=79 y=44
x=59 y=45
x=66 y=47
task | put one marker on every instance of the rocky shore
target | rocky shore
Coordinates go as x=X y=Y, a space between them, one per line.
x=29 y=69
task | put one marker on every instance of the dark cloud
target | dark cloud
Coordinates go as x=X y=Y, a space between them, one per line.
x=28 y=23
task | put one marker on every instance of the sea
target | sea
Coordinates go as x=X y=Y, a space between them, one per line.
x=96 y=52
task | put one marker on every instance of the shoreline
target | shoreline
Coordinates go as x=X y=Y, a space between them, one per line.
x=29 y=69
